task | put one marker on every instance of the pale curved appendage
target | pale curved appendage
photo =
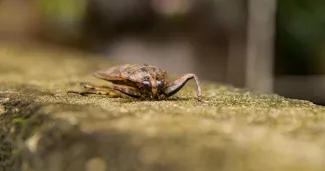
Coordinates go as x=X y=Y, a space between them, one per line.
x=173 y=87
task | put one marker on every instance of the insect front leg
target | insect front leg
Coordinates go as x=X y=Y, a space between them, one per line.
x=126 y=91
x=173 y=87
x=94 y=89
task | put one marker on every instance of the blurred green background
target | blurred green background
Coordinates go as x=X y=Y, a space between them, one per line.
x=300 y=37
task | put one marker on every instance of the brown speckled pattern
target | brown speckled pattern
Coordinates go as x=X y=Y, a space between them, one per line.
x=129 y=81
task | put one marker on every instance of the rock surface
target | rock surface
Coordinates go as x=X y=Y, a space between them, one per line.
x=42 y=128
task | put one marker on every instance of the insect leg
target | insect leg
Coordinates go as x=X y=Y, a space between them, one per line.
x=126 y=91
x=90 y=86
x=173 y=87
x=94 y=89
x=84 y=93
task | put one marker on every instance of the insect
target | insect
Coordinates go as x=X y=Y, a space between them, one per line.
x=140 y=81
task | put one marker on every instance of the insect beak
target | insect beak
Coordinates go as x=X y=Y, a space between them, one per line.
x=154 y=91
x=154 y=88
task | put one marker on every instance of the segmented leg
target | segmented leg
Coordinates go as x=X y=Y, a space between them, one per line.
x=173 y=87
x=84 y=93
x=94 y=89
x=90 y=86
x=126 y=91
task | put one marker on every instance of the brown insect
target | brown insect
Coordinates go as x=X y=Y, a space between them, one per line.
x=138 y=81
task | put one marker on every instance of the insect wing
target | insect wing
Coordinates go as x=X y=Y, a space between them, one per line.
x=110 y=74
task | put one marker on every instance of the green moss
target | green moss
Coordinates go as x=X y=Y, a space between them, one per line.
x=2 y=110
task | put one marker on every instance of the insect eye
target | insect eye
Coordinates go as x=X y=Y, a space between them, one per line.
x=160 y=84
x=146 y=85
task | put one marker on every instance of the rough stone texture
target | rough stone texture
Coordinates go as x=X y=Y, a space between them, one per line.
x=42 y=128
